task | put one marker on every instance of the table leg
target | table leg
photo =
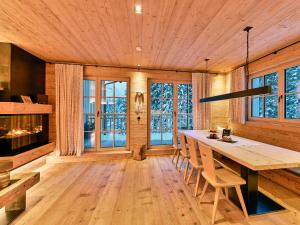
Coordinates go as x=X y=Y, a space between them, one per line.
x=256 y=202
x=18 y=205
x=250 y=189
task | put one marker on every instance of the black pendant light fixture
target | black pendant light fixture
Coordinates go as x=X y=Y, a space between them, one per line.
x=239 y=94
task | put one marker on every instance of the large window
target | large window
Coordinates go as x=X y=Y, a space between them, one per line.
x=170 y=107
x=185 y=107
x=265 y=105
x=89 y=109
x=292 y=92
x=105 y=114
x=113 y=113
x=283 y=104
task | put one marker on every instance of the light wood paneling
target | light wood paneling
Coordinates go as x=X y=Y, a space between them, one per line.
x=50 y=91
x=22 y=183
x=220 y=109
x=138 y=82
x=283 y=135
x=284 y=178
x=173 y=34
x=24 y=108
x=28 y=156
x=129 y=192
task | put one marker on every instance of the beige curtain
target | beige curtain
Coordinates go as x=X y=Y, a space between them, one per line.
x=201 y=84
x=237 y=106
x=69 y=124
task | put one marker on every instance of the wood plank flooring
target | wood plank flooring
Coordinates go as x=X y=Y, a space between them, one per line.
x=128 y=192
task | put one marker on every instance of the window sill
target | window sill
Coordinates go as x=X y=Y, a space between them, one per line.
x=275 y=124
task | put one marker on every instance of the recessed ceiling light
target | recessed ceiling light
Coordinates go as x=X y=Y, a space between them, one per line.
x=138 y=9
x=138 y=48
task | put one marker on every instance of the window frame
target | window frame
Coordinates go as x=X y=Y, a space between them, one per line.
x=98 y=147
x=280 y=69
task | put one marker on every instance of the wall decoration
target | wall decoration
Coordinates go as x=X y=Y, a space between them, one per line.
x=139 y=101
x=26 y=99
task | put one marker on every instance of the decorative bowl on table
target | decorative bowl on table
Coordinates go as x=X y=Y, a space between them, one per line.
x=213 y=136
x=227 y=139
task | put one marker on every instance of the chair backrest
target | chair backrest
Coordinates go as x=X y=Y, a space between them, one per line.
x=194 y=149
x=175 y=140
x=183 y=144
x=208 y=161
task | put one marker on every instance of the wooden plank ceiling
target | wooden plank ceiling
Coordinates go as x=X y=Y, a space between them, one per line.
x=173 y=34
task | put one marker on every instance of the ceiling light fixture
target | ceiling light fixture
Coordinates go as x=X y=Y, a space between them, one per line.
x=245 y=93
x=138 y=9
x=138 y=48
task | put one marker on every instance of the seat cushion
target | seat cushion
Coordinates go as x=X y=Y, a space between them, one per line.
x=295 y=170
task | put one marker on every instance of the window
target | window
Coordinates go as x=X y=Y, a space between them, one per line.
x=113 y=113
x=292 y=92
x=265 y=105
x=89 y=110
x=170 y=106
x=283 y=104
x=185 y=107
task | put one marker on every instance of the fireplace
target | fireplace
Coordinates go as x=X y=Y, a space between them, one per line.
x=20 y=133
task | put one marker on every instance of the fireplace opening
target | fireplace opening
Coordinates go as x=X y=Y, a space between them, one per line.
x=20 y=133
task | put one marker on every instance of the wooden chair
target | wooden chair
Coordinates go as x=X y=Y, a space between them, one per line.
x=176 y=149
x=219 y=179
x=195 y=162
x=184 y=154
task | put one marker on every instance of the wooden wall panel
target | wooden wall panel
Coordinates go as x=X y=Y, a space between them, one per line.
x=286 y=56
x=220 y=109
x=50 y=91
x=173 y=34
x=138 y=82
x=283 y=135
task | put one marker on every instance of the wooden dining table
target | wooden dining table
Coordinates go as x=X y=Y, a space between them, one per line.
x=252 y=156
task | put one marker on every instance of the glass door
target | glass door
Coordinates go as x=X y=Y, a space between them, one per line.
x=89 y=110
x=113 y=118
x=170 y=109
x=162 y=106
x=105 y=113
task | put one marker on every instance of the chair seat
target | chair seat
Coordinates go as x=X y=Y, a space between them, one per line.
x=225 y=178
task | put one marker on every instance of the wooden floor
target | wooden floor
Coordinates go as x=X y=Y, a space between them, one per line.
x=127 y=192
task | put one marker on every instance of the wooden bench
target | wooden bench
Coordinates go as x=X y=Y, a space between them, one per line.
x=13 y=188
x=13 y=197
x=287 y=178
